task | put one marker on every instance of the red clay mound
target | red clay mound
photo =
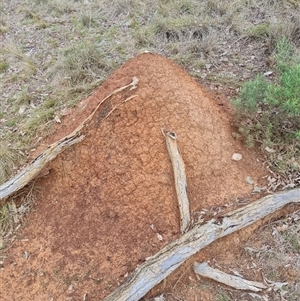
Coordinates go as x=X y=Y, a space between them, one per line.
x=105 y=199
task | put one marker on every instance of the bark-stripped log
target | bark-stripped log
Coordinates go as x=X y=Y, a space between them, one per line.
x=35 y=167
x=159 y=266
x=180 y=180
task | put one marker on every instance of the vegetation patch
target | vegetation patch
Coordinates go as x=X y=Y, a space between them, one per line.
x=9 y=159
x=13 y=212
x=268 y=113
x=259 y=31
x=63 y=50
x=84 y=63
x=276 y=254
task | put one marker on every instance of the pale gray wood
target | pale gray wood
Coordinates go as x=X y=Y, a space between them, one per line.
x=203 y=269
x=36 y=166
x=162 y=264
x=179 y=179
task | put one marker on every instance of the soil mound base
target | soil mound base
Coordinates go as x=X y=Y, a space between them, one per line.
x=104 y=201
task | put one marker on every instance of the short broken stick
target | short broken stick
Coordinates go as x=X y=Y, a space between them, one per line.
x=180 y=179
x=203 y=269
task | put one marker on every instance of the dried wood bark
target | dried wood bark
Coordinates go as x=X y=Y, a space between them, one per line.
x=37 y=165
x=159 y=266
x=180 y=180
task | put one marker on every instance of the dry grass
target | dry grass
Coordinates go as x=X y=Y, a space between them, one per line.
x=277 y=254
x=62 y=49
x=9 y=159
x=13 y=212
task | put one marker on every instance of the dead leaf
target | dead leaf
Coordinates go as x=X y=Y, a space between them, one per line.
x=159 y=298
x=236 y=273
x=268 y=73
x=282 y=228
x=22 y=110
x=269 y=150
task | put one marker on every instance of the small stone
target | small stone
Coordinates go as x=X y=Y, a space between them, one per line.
x=159 y=237
x=236 y=157
x=249 y=181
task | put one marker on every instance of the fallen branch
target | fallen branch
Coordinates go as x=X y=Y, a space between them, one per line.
x=203 y=269
x=159 y=266
x=35 y=167
x=180 y=180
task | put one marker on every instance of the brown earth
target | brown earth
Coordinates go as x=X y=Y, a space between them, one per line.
x=104 y=200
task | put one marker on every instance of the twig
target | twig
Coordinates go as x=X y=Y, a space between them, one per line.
x=127 y=99
x=203 y=269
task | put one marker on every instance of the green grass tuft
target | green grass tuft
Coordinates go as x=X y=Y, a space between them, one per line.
x=269 y=113
x=293 y=240
x=83 y=63
x=259 y=31
x=4 y=65
x=222 y=297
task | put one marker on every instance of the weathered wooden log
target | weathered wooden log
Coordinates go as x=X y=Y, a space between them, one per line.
x=36 y=166
x=204 y=270
x=159 y=266
x=179 y=179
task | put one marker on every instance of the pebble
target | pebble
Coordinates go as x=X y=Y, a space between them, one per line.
x=236 y=157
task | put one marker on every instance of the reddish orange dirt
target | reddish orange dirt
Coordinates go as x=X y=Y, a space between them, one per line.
x=104 y=200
